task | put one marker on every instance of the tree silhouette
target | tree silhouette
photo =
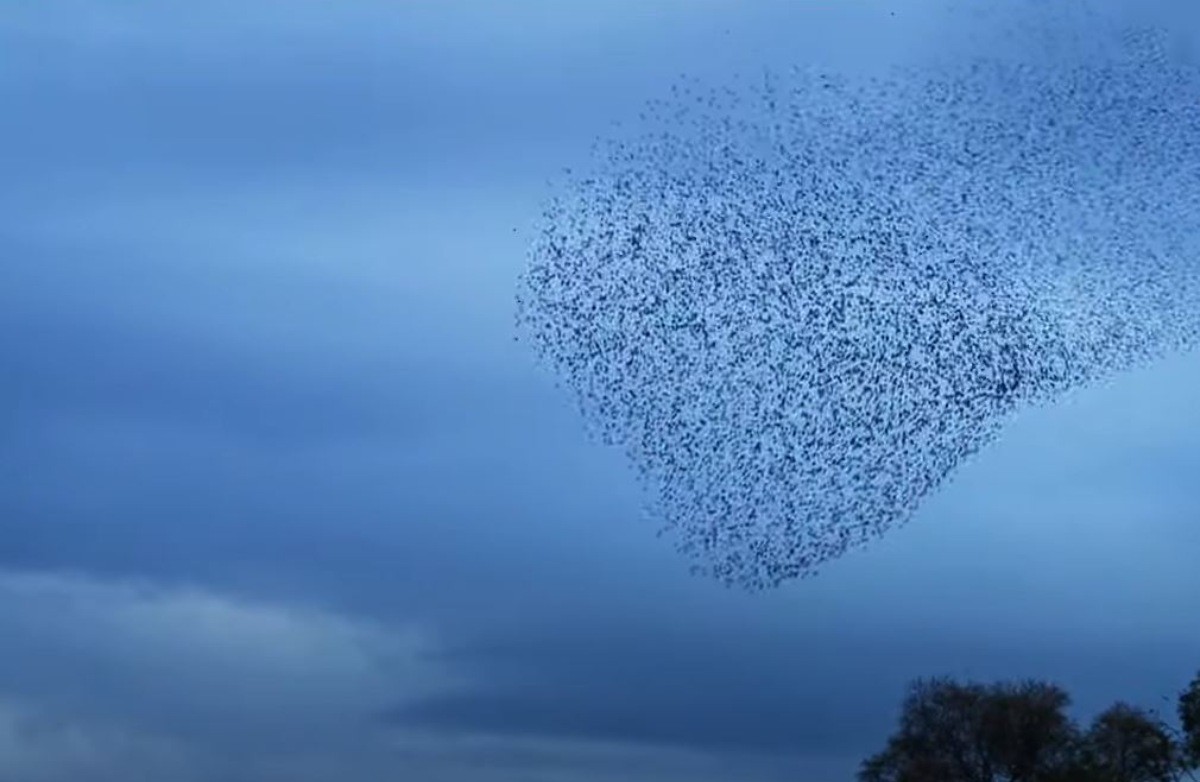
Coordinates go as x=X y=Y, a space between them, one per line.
x=1127 y=744
x=1189 y=720
x=1020 y=732
x=977 y=733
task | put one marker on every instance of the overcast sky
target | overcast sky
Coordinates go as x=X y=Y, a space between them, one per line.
x=280 y=499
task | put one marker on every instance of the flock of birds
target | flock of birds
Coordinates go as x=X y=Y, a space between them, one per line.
x=798 y=302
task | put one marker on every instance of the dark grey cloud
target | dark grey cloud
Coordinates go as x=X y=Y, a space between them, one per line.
x=97 y=332
x=791 y=693
x=628 y=682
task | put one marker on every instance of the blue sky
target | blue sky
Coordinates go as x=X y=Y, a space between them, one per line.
x=280 y=499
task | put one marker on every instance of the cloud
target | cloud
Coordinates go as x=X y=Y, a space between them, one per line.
x=466 y=25
x=198 y=663
x=116 y=679
x=37 y=745
x=231 y=93
x=281 y=314
x=491 y=757
x=346 y=266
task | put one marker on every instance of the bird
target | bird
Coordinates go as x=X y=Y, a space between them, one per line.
x=797 y=305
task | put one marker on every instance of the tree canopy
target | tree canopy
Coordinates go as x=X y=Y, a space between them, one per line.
x=1189 y=720
x=951 y=731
